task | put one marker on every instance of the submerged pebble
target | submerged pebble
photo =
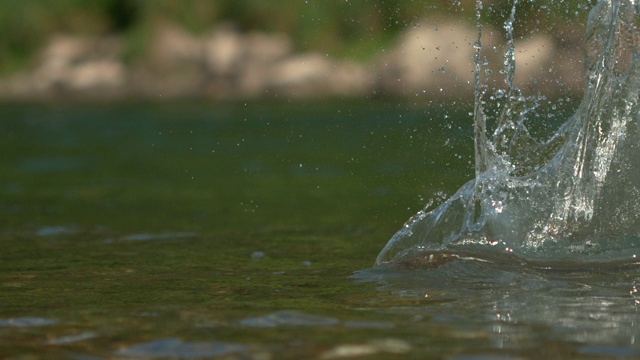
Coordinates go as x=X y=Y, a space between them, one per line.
x=71 y=339
x=178 y=349
x=392 y=346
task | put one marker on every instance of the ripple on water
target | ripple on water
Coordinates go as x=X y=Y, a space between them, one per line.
x=153 y=237
x=178 y=349
x=55 y=230
x=71 y=339
x=289 y=318
x=26 y=322
x=609 y=351
x=369 y=324
x=51 y=164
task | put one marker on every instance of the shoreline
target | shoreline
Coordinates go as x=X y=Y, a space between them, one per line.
x=433 y=60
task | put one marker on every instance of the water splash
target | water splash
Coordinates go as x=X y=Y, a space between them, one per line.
x=574 y=194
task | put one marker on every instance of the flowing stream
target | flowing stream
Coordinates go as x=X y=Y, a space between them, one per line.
x=236 y=230
x=573 y=195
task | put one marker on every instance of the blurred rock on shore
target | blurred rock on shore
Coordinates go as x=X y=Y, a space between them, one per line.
x=433 y=60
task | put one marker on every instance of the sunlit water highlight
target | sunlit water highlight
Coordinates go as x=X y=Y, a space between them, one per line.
x=574 y=194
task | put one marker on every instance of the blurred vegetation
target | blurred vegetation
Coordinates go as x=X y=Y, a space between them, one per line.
x=352 y=29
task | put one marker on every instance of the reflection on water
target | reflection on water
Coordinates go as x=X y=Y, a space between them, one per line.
x=288 y=318
x=515 y=305
x=71 y=339
x=177 y=349
x=26 y=322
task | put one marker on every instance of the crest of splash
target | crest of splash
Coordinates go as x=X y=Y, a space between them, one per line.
x=573 y=194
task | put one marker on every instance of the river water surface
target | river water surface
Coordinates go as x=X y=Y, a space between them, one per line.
x=242 y=231
x=160 y=229
x=250 y=230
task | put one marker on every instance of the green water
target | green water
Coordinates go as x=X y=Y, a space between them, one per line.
x=203 y=230
x=132 y=223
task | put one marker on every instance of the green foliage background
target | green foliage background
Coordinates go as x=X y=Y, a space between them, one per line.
x=344 y=28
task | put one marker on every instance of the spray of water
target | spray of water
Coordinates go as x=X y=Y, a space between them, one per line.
x=575 y=194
